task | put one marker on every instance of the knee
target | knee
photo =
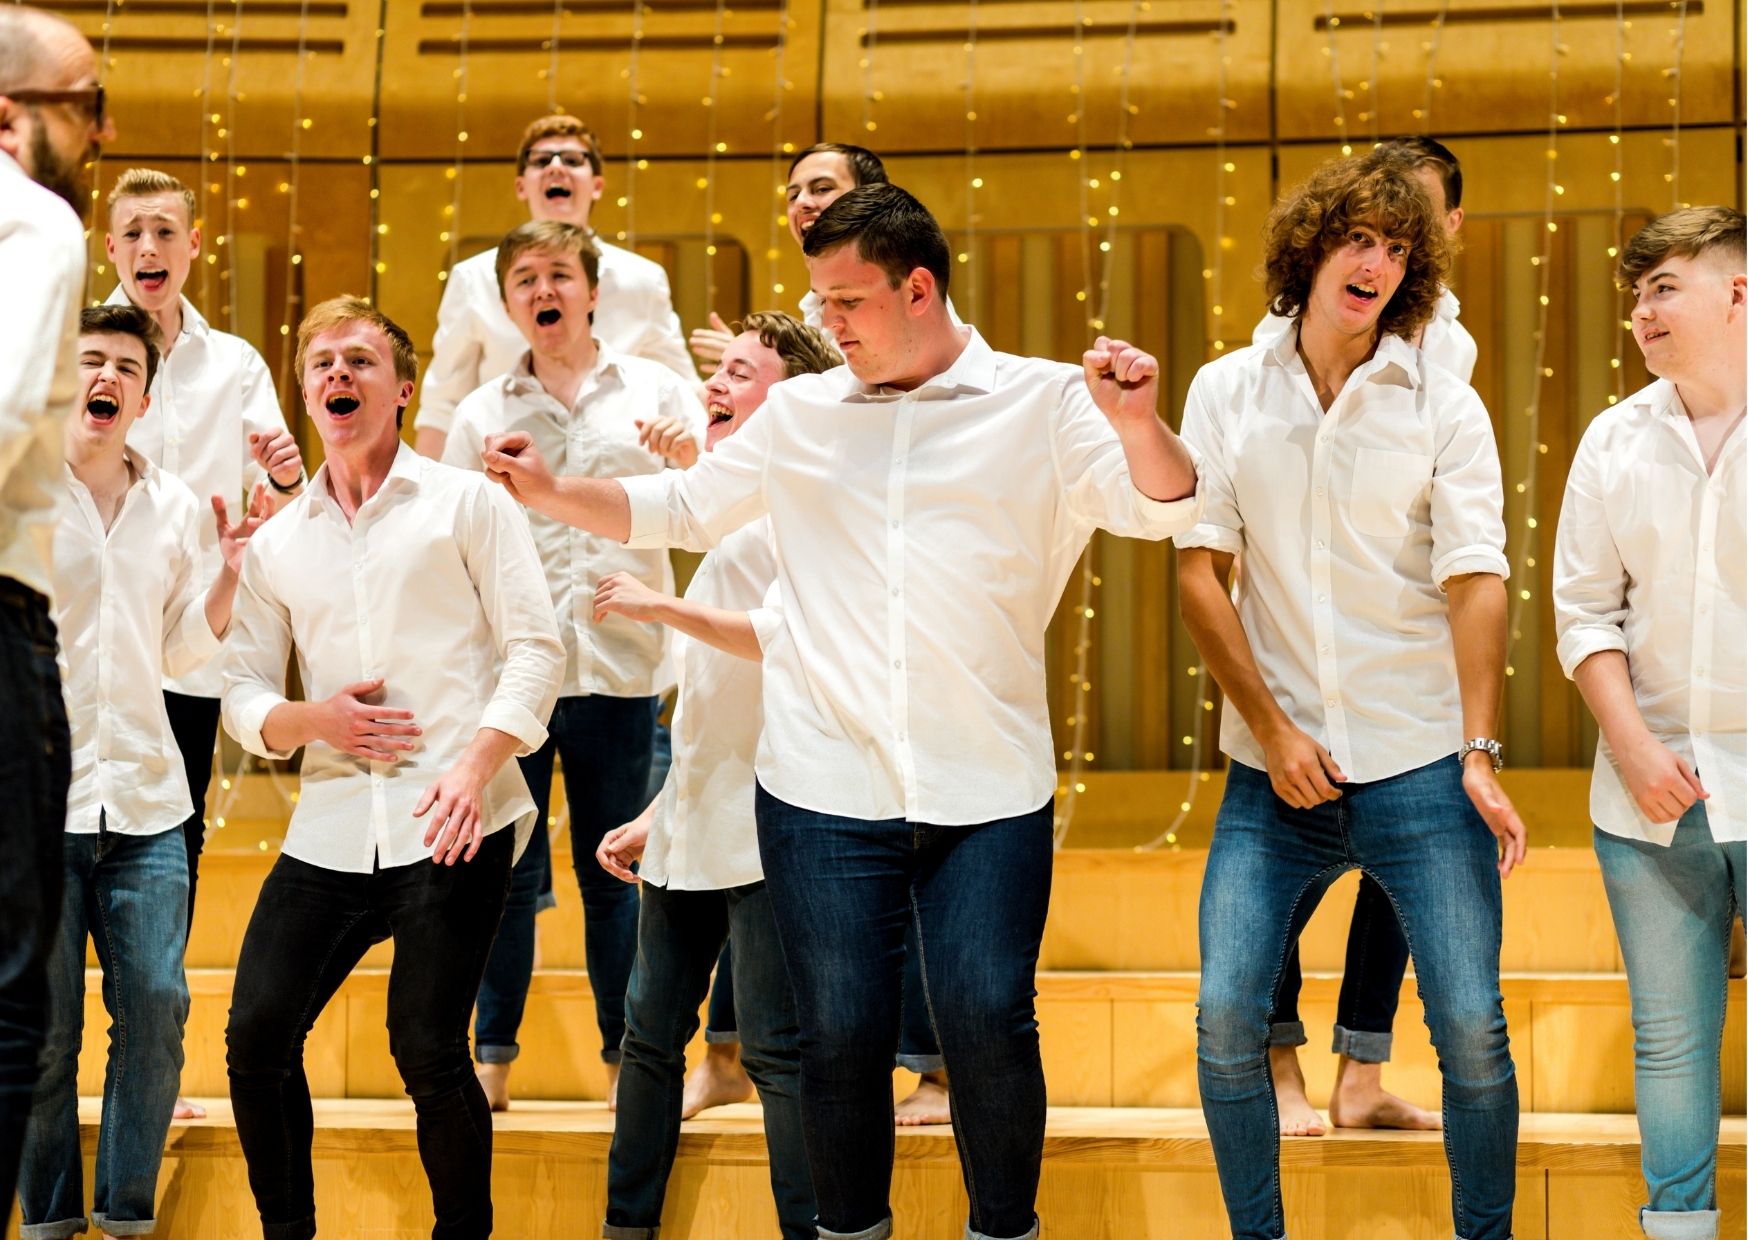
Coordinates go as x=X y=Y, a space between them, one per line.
x=990 y=1017
x=428 y=1061
x=1472 y=1044
x=257 y=1042
x=1232 y=1028
x=159 y=1014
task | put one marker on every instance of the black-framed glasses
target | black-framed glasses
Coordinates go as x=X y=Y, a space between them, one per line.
x=92 y=99
x=537 y=159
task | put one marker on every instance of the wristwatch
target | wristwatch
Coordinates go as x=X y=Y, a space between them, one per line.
x=1492 y=748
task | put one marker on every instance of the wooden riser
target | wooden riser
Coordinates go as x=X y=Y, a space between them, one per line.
x=1109 y=909
x=1107 y=1174
x=1120 y=1040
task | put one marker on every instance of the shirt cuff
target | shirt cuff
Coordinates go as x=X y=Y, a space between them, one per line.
x=518 y=721
x=1166 y=517
x=648 y=496
x=1580 y=642
x=767 y=624
x=195 y=637
x=1476 y=558
x=246 y=713
x=1212 y=538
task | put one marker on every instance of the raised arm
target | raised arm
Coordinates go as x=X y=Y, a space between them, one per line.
x=597 y=505
x=732 y=632
x=1124 y=383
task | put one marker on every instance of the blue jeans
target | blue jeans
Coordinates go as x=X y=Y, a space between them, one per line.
x=129 y=893
x=1672 y=909
x=679 y=936
x=1418 y=836
x=605 y=745
x=35 y=768
x=845 y=892
x=1371 y=983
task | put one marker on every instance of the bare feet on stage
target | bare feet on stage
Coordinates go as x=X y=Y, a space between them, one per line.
x=717 y=1080
x=927 y=1103
x=1298 y=1117
x=187 y=1110
x=1359 y=1100
x=494 y=1078
x=612 y=1086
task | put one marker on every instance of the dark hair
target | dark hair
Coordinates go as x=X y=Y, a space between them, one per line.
x=1376 y=189
x=124 y=320
x=1425 y=152
x=553 y=235
x=865 y=166
x=891 y=229
x=1687 y=233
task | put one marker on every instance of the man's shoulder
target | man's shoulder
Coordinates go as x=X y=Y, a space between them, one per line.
x=233 y=352
x=173 y=499
x=1625 y=419
x=627 y=268
x=38 y=217
x=813 y=389
x=476 y=266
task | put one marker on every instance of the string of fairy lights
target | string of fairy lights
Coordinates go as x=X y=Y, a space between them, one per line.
x=973 y=182
x=1679 y=37
x=1617 y=188
x=633 y=132
x=713 y=146
x=449 y=234
x=1332 y=52
x=1433 y=46
x=780 y=86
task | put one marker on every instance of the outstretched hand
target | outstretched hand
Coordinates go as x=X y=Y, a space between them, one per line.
x=1123 y=380
x=709 y=343
x=233 y=539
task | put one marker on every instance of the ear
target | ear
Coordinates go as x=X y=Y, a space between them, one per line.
x=14 y=128
x=920 y=290
x=1454 y=220
x=109 y=245
x=145 y=404
x=193 y=242
x=524 y=188
x=406 y=396
x=597 y=187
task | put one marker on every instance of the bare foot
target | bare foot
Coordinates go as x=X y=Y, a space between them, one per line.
x=1298 y=1117
x=1359 y=1100
x=494 y=1078
x=187 y=1110
x=612 y=1086
x=927 y=1103
x=716 y=1081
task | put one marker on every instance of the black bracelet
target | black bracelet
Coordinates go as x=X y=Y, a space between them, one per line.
x=292 y=489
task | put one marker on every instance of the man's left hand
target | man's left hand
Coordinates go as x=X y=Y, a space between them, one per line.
x=233 y=539
x=277 y=453
x=456 y=828
x=1496 y=810
x=1123 y=380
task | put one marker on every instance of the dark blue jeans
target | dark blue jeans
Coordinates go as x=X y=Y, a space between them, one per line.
x=35 y=769
x=679 y=937
x=1371 y=983
x=604 y=745
x=309 y=928
x=845 y=892
x=1418 y=836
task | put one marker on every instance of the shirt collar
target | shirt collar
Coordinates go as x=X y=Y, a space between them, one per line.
x=1394 y=358
x=1661 y=398
x=193 y=322
x=972 y=371
x=404 y=473
x=520 y=380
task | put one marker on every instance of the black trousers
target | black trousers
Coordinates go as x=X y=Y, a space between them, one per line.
x=194 y=723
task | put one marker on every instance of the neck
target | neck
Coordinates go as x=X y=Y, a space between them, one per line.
x=1714 y=392
x=938 y=347
x=169 y=321
x=357 y=471
x=1331 y=356
x=101 y=467
x=562 y=374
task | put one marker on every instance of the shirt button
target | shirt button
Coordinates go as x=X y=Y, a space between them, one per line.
x=904 y=736
x=1320 y=544
x=1322 y=598
x=1324 y=649
x=1330 y=703
x=1319 y=492
x=895 y=591
x=1699 y=671
x=898 y=664
x=895 y=523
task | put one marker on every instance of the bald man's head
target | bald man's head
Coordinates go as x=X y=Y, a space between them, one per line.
x=53 y=138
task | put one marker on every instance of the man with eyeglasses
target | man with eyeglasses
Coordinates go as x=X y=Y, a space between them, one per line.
x=51 y=122
x=558 y=174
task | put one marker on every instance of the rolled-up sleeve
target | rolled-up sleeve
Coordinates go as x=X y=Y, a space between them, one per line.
x=1220 y=526
x=260 y=646
x=1590 y=582
x=661 y=339
x=1095 y=476
x=1468 y=499
x=512 y=588
x=696 y=508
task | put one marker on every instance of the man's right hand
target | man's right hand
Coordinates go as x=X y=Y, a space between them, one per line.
x=351 y=724
x=709 y=343
x=1300 y=770
x=1661 y=782
x=622 y=846
x=512 y=461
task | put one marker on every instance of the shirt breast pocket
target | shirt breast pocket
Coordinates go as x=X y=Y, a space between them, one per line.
x=1388 y=487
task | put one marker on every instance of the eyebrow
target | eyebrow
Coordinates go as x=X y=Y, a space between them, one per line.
x=1665 y=274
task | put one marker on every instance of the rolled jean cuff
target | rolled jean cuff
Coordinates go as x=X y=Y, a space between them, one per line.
x=496 y=1054
x=920 y=1064
x=544 y=901
x=58 y=1230
x=1288 y=1033
x=1679 y=1224
x=724 y=1037
x=610 y=1232
x=880 y=1231
x=125 y=1226
x=1030 y=1234
x=612 y=1056
x=1361 y=1046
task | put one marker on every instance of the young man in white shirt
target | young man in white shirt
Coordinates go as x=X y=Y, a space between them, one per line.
x=1363 y=665
x=928 y=501
x=132 y=602
x=51 y=122
x=702 y=886
x=559 y=177
x=215 y=424
x=1377 y=954
x=412 y=597
x=585 y=404
x=1650 y=577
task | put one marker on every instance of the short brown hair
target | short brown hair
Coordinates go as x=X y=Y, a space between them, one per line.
x=336 y=311
x=805 y=350
x=1376 y=189
x=124 y=320
x=864 y=165
x=889 y=228
x=140 y=182
x=1687 y=233
x=559 y=126
x=548 y=235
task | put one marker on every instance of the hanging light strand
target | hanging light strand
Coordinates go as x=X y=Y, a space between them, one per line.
x=292 y=188
x=553 y=42
x=450 y=233
x=1432 y=47
x=870 y=46
x=972 y=181
x=1617 y=176
x=712 y=148
x=1374 y=82
x=779 y=148
x=233 y=197
x=632 y=132
x=1126 y=110
x=1331 y=49
x=93 y=270
x=208 y=123
x=1679 y=37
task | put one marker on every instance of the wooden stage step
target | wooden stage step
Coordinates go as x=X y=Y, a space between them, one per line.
x=1108 y=1173
x=1109 y=1039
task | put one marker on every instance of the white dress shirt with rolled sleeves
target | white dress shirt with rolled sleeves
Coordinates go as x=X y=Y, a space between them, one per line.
x=1446 y=342
x=703 y=836
x=130 y=603
x=1652 y=560
x=476 y=342
x=211 y=390
x=42 y=253
x=1348 y=524
x=435 y=588
x=595 y=438
x=923 y=539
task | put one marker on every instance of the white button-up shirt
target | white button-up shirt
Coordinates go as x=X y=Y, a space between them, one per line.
x=923 y=539
x=211 y=390
x=1444 y=340
x=130 y=603
x=42 y=258
x=435 y=588
x=1348 y=523
x=703 y=837
x=476 y=342
x=596 y=438
x=1652 y=560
